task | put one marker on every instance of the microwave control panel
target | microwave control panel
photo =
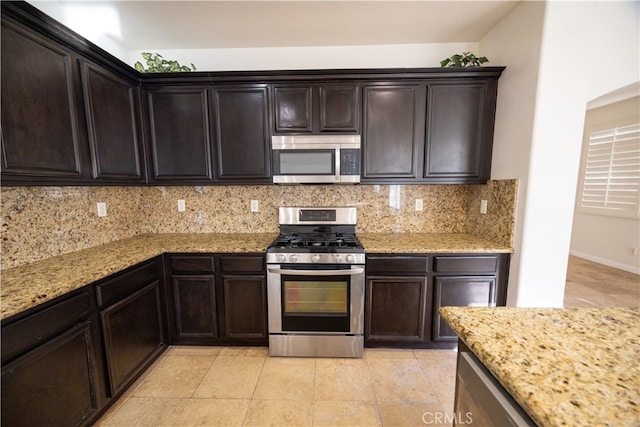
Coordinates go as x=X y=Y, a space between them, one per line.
x=349 y=162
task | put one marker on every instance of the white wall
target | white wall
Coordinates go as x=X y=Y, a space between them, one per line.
x=606 y=239
x=317 y=57
x=543 y=149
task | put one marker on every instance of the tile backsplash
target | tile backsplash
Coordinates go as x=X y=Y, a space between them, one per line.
x=40 y=222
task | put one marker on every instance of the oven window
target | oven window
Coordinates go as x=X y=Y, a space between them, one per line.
x=306 y=162
x=317 y=304
x=315 y=297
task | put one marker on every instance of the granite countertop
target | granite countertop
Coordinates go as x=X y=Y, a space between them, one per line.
x=575 y=366
x=26 y=286
x=428 y=243
x=32 y=284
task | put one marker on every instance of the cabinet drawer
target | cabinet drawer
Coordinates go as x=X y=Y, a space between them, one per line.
x=242 y=264
x=397 y=264
x=473 y=264
x=38 y=328
x=122 y=285
x=197 y=264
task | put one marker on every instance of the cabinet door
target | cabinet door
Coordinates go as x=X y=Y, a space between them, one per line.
x=179 y=135
x=43 y=137
x=472 y=291
x=242 y=136
x=54 y=384
x=339 y=108
x=133 y=335
x=292 y=109
x=245 y=305
x=459 y=132
x=395 y=310
x=116 y=151
x=194 y=302
x=393 y=131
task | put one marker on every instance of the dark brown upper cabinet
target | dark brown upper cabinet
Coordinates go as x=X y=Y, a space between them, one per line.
x=316 y=108
x=43 y=134
x=393 y=131
x=459 y=127
x=116 y=150
x=242 y=135
x=179 y=135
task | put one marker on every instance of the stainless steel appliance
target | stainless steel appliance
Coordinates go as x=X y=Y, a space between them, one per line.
x=324 y=159
x=315 y=284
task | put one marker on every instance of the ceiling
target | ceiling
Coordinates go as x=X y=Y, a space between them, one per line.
x=146 y=25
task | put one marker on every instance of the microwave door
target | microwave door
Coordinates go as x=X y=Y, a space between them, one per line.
x=306 y=166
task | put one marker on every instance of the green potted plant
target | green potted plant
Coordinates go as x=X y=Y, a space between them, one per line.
x=157 y=64
x=464 y=59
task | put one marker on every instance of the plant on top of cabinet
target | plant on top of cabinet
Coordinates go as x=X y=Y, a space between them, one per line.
x=157 y=64
x=465 y=59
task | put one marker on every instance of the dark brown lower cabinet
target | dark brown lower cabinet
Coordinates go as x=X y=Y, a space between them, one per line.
x=54 y=384
x=133 y=335
x=396 y=307
x=245 y=305
x=194 y=304
x=217 y=299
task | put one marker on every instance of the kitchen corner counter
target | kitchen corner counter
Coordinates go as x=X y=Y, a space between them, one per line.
x=32 y=284
x=428 y=243
x=576 y=366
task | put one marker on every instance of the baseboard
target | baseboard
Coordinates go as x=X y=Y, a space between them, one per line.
x=607 y=262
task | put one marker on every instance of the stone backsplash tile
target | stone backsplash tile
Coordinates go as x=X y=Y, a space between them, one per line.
x=40 y=222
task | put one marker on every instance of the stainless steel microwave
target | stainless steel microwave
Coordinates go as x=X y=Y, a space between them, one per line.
x=311 y=159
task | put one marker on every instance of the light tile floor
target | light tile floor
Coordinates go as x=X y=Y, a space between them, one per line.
x=590 y=284
x=236 y=386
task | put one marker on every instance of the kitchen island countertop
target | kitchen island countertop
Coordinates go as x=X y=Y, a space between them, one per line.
x=575 y=366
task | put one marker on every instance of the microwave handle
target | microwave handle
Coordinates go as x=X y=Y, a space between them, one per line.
x=337 y=171
x=353 y=271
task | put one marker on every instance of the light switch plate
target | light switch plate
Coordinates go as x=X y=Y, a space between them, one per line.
x=181 y=206
x=255 y=206
x=419 y=205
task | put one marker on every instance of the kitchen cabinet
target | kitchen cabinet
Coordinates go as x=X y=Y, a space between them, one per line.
x=193 y=315
x=244 y=283
x=393 y=132
x=44 y=138
x=179 y=135
x=208 y=308
x=467 y=280
x=459 y=131
x=51 y=367
x=242 y=134
x=316 y=108
x=116 y=151
x=397 y=302
x=131 y=310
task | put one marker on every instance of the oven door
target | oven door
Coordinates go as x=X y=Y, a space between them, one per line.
x=316 y=299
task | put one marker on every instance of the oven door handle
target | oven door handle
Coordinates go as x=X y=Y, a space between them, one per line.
x=353 y=271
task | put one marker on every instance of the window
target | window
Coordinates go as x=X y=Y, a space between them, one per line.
x=611 y=171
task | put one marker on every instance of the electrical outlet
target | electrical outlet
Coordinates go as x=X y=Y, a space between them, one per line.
x=633 y=251
x=483 y=206
x=102 y=209
x=419 y=205
x=181 y=206
x=255 y=206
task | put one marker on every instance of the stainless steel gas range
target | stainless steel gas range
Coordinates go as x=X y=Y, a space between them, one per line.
x=315 y=284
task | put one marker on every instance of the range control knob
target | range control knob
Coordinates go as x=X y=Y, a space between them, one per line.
x=338 y=258
x=293 y=258
x=350 y=258
x=282 y=258
x=315 y=258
